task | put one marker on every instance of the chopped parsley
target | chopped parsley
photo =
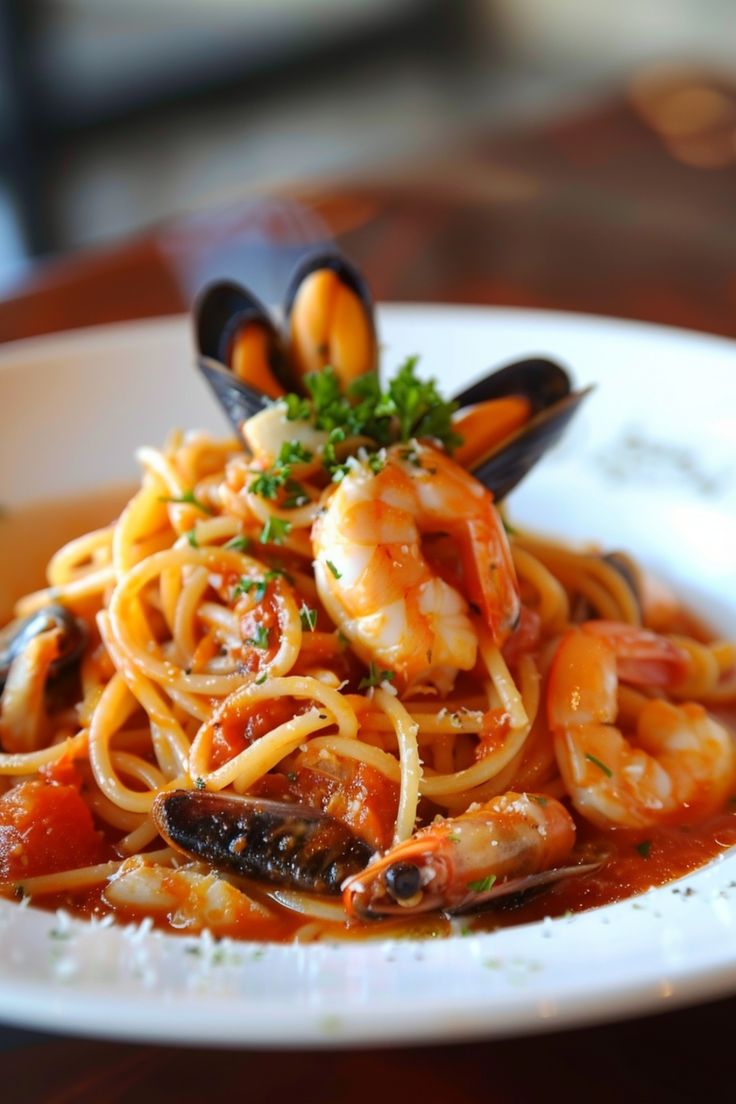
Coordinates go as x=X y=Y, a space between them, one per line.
x=407 y=407
x=270 y=482
x=644 y=848
x=482 y=885
x=375 y=677
x=539 y=799
x=238 y=544
x=191 y=535
x=259 y=586
x=260 y=640
x=333 y=569
x=261 y=679
x=601 y=766
x=308 y=617
x=274 y=531
x=188 y=498
x=200 y=783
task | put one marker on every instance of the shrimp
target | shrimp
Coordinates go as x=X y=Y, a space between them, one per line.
x=681 y=763
x=376 y=582
x=506 y=845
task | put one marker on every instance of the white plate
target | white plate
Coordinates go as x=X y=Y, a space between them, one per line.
x=649 y=465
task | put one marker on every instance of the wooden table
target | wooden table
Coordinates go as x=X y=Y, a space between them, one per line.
x=624 y=209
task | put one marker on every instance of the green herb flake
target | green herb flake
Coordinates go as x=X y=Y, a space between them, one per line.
x=200 y=783
x=308 y=618
x=644 y=848
x=482 y=885
x=191 y=535
x=261 y=679
x=601 y=766
x=238 y=544
x=333 y=569
x=375 y=677
x=408 y=407
x=188 y=498
x=539 y=799
x=293 y=452
x=260 y=640
x=275 y=531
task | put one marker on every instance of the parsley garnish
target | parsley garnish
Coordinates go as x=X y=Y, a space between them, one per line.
x=408 y=407
x=274 y=531
x=482 y=885
x=308 y=617
x=261 y=679
x=333 y=569
x=238 y=544
x=260 y=640
x=268 y=483
x=375 y=677
x=539 y=799
x=245 y=586
x=191 y=535
x=601 y=766
x=188 y=498
x=200 y=783
x=644 y=848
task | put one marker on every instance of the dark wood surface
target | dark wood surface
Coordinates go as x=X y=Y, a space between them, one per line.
x=627 y=208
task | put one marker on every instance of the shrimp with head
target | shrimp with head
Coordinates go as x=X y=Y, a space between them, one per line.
x=678 y=766
x=376 y=581
x=507 y=845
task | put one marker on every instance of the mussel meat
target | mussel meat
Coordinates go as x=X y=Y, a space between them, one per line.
x=269 y=841
x=329 y=313
x=17 y=635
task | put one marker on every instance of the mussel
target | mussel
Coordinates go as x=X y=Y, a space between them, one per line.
x=246 y=360
x=329 y=312
x=509 y=418
x=17 y=635
x=269 y=841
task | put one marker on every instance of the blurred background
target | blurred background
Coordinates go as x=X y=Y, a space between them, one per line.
x=115 y=114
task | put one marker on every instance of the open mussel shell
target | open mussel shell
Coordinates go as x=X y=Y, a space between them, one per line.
x=330 y=318
x=17 y=635
x=239 y=401
x=552 y=403
x=241 y=353
x=543 y=382
x=511 y=461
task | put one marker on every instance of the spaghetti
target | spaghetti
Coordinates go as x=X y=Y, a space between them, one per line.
x=219 y=660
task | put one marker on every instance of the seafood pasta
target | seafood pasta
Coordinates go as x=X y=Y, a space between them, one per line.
x=309 y=681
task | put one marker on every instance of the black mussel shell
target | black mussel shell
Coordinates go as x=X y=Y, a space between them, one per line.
x=221 y=310
x=547 y=387
x=269 y=841
x=239 y=401
x=18 y=634
x=330 y=259
x=541 y=381
x=514 y=458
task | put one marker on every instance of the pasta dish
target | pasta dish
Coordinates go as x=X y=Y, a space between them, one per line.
x=310 y=681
